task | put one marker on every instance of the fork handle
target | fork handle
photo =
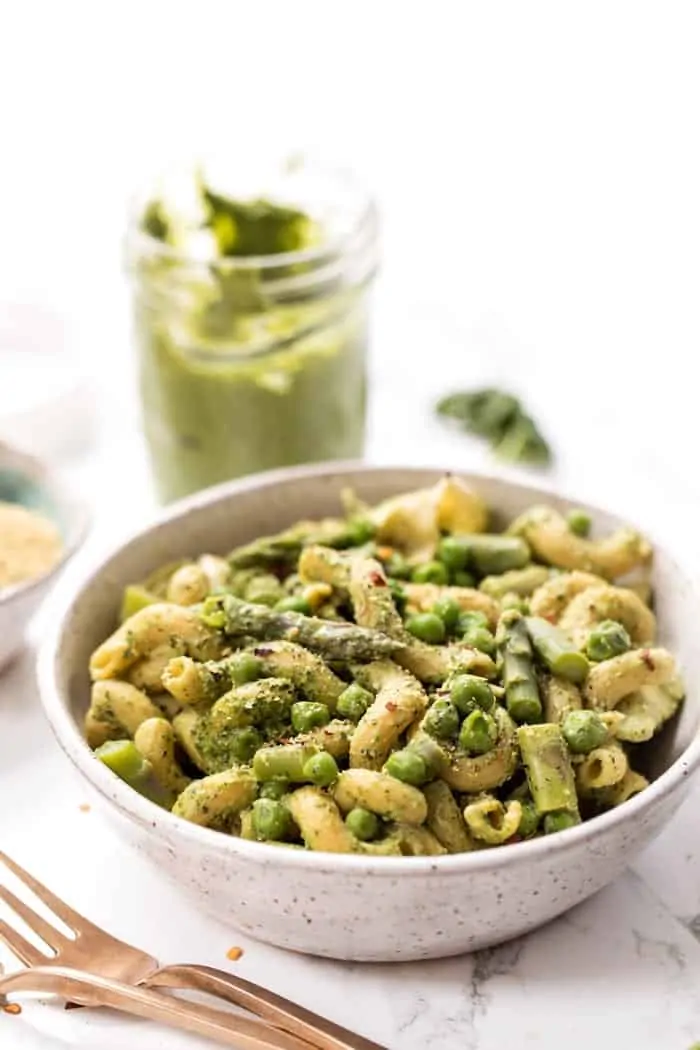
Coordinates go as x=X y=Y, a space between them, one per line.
x=321 y=1033
x=227 y=1028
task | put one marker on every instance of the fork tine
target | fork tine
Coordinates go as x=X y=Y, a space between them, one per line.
x=73 y=919
x=25 y=952
x=48 y=933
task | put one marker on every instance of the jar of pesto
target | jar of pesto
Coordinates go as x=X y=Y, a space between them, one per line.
x=250 y=300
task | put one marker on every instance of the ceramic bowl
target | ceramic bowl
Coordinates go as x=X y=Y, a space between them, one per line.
x=355 y=907
x=25 y=480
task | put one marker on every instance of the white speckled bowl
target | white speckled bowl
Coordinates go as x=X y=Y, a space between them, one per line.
x=353 y=907
x=25 y=480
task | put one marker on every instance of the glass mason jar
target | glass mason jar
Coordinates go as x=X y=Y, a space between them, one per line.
x=252 y=362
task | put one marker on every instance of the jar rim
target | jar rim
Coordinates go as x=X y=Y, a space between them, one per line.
x=361 y=235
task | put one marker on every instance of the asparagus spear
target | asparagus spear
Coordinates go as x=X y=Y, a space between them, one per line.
x=549 y=771
x=556 y=651
x=333 y=640
x=287 y=545
x=522 y=693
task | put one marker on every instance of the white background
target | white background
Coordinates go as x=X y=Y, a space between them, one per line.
x=537 y=165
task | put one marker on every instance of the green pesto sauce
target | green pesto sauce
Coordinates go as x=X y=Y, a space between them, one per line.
x=234 y=381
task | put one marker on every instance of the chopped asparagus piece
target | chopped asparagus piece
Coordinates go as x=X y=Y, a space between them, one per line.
x=549 y=770
x=124 y=759
x=284 y=761
x=522 y=693
x=556 y=651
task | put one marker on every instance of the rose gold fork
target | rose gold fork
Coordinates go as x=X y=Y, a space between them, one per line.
x=96 y=952
x=230 y=1029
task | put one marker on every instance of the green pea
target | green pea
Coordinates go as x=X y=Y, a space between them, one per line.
x=428 y=627
x=307 y=714
x=363 y=824
x=321 y=769
x=606 y=640
x=271 y=820
x=294 y=603
x=529 y=819
x=245 y=667
x=430 y=572
x=449 y=612
x=461 y=578
x=397 y=566
x=478 y=733
x=274 y=789
x=442 y=720
x=452 y=554
x=469 y=620
x=353 y=702
x=407 y=766
x=468 y=692
x=559 y=821
x=243 y=743
x=583 y=731
x=579 y=522
x=480 y=638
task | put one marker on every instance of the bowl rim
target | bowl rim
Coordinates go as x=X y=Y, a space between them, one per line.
x=154 y=819
x=76 y=510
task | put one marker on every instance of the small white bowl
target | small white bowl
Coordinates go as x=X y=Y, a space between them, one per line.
x=33 y=485
x=356 y=907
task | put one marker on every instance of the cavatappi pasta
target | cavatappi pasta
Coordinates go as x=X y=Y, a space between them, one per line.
x=398 y=681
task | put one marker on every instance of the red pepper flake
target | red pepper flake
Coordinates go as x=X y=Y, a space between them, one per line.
x=377 y=578
x=234 y=953
x=85 y=807
x=12 y=1008
x=391 y=706
x=646 y=657
x=262 y=650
